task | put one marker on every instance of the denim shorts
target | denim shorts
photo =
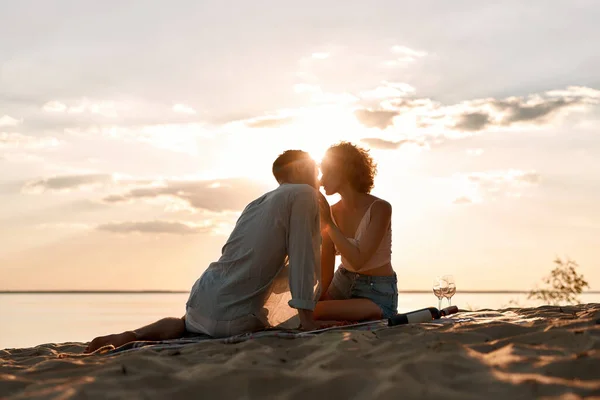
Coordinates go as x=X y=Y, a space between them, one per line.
x=381 y=290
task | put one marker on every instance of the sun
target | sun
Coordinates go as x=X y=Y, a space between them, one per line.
x=317 y=153
x=320 y=127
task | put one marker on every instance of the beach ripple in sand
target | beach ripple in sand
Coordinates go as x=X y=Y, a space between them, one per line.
x=546 y=352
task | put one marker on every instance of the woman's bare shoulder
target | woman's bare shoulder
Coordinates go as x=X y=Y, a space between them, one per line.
x=337 y=211
x=381 y=205
x=337 y=206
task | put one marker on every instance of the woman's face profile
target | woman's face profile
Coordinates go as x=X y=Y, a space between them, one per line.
x=331 y=177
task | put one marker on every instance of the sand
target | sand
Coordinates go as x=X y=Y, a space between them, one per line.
x=546 y=352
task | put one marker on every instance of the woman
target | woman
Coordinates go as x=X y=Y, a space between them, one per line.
x=358 y=227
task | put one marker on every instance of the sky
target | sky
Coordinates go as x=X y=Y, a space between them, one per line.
x=133 y=133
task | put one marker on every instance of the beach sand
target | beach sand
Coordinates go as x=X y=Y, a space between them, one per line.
x=546 y=352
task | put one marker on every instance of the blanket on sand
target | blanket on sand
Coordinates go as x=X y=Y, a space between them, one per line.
x=481 y=317
x=272 y=332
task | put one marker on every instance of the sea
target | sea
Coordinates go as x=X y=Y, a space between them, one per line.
x=30 y=319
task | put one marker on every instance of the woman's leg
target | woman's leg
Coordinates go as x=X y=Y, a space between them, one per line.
x=164 y=329
x=347 y=310
x=338 y=305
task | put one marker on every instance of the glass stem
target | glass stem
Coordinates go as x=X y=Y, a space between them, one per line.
x=449 y=301
x=439 y=303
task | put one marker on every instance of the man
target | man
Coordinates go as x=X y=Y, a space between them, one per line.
x=229 y=298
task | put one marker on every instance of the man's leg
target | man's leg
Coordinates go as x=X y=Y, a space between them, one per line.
x=347 y=310
x=164 y=329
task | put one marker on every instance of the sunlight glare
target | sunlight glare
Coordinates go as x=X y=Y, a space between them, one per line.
x=314 y=129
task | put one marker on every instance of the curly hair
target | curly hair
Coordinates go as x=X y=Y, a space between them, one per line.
x=356 y=164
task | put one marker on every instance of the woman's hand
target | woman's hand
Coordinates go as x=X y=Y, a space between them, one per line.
x=359 y=255
x=325 y=211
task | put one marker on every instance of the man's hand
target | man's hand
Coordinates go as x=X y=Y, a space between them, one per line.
x=325 y=211
x=308 y=322
x=320 y=325
x=309 y=326
x=316 y=325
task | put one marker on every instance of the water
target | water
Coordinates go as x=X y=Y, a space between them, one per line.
x=30 y=319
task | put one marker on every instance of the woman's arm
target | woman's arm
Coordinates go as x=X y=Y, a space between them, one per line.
x=327 y=263
x=381 y=215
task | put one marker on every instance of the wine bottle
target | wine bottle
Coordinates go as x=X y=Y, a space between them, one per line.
x=422 y=315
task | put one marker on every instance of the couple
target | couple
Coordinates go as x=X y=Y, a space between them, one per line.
x=292 y=230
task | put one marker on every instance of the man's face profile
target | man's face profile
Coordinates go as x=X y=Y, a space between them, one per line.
x=311 y=173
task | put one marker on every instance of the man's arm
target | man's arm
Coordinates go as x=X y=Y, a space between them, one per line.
x=327 y=263
x=303 y=244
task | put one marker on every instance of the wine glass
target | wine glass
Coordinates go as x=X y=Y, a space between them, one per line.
x=439 y=289
x=451 y=290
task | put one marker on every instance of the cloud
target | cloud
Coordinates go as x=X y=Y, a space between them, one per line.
x=519 y=110
x=66 y=183
x=169 y=227
x=126 y=113
x=175 y=137
x=404 y=56
x=477 y=187
x=377 y=143
x=54 y=107
x=17 y=157
x=317 y=95
x=376 y=118
x=63 y=226
x=183 y=109
x=433 y=119
x=475 y=121
x=474 y=152
x=320 y=56
x=493 y=178
x=181 y=138
x=388 y=90
x=333 y=98
x=576 y=91
x=18 y=141
x=537 y=109
x=6 y=120
x=314 y=57
x=407 y=51
x=269 y=122
x=532 y=178
x=462 y=200
x=215 y=195
x=306 y=88
x=104 y=108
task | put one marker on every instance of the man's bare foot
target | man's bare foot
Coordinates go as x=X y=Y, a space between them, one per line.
x=115 y=340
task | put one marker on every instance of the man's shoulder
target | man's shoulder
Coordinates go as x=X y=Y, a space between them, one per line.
x=298 y=188
x=292 y=193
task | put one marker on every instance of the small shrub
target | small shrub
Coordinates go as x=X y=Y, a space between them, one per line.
x=563 y=285
x=513 y=304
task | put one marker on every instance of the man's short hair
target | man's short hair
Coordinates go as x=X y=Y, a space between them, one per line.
x=280 y=172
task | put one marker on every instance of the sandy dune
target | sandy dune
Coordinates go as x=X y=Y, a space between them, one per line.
x=546 y=352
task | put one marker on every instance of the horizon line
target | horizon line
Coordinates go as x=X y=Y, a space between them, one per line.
x=410 y=291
